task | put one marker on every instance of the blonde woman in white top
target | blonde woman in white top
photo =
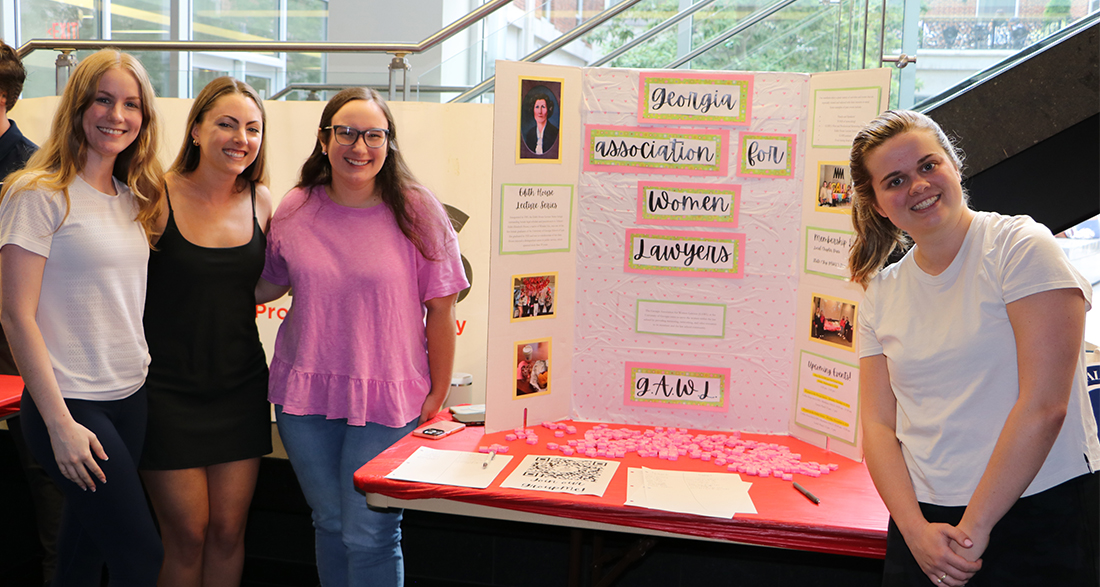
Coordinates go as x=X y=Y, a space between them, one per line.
x=74 y=244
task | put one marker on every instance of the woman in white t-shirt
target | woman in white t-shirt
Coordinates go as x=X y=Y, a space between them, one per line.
x=977 y=429
x=74 y=245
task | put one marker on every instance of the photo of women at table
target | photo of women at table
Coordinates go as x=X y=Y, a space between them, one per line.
x=533 y=296
x=532 y=368
x=539 y=120
x=834 y=187
x=833 y=322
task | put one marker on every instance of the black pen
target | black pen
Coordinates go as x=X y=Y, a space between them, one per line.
x=808 y=495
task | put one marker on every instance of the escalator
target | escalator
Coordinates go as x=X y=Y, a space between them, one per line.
x=1030 y=128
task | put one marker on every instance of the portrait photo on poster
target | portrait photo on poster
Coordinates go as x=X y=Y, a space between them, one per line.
x=834 y=187
x=533 y=296
x=539 y=121
x=532 y=361
x=833 y=322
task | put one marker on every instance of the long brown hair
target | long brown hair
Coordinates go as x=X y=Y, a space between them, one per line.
x=395 y=181
x=876 y=236
x=65 y=152
x=189 y=155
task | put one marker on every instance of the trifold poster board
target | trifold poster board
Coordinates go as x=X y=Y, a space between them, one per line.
x=670 y=249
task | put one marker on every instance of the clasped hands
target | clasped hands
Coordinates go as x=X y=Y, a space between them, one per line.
x=947 y=554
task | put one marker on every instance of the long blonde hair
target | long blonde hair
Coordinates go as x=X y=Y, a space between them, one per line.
x=65 y=152
x=876 y=235
x=189 y=155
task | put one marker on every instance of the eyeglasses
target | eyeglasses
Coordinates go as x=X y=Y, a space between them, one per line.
x=347 y=136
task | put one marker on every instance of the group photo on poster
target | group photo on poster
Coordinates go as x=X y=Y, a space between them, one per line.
x=539 y=120
x=833 y=321
x=533 y=296
x=532 y=367
x=835 y=189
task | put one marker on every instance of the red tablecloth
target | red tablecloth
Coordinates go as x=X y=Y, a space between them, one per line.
x=11 y=389
x=850 y=520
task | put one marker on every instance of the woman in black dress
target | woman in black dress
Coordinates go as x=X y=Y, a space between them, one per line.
x=209 y=420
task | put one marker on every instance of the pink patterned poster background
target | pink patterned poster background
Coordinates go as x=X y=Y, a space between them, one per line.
x=758 y=347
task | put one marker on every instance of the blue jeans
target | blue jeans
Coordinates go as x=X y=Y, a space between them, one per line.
x=356 y=545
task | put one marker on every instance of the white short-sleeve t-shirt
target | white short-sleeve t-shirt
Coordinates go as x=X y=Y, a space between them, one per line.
x=952 y=360
x=93 y=285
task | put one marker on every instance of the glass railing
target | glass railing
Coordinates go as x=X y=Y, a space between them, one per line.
x=510 y=34
x=802 y=36
x=806 y=36
x=799 y=36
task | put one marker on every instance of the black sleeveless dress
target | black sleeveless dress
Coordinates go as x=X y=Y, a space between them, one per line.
x=207 y=382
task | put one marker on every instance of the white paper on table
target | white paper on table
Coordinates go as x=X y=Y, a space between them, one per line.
x=718 y=495
x=635 y=488
x=450 y=467
x=562 y=474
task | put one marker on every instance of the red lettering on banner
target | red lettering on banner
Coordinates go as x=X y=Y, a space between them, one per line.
x=461 y=324
x=270 y=312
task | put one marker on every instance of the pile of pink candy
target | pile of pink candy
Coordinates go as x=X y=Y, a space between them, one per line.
x=762 y=459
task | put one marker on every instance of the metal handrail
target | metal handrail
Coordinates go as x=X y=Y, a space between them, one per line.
x=399 y=50
x=750 y=20
x=552 y=46
x=653 y=32
x=267 y=47
x=312 y=87
x=67 y=45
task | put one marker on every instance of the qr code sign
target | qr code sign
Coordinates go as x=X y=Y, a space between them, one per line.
x=566 y=469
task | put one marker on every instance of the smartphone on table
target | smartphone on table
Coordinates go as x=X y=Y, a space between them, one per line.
x=437 y=430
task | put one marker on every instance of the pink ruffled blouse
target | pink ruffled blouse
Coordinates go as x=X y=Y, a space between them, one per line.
x=353 y=344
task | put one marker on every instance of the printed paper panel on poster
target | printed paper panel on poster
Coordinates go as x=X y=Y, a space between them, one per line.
x=827 y=399
x=694 y=98
x=834 y=187
x=840 y=113
x=670 y=318
x=534 y=296
x=535 y=218
x=688 y=204
x=673 y=252
x=766 y=154
x=532 y=368
x=827 y=252
x=677 y=386
x=540 y=119
x=679 y=151
x=832 y=322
